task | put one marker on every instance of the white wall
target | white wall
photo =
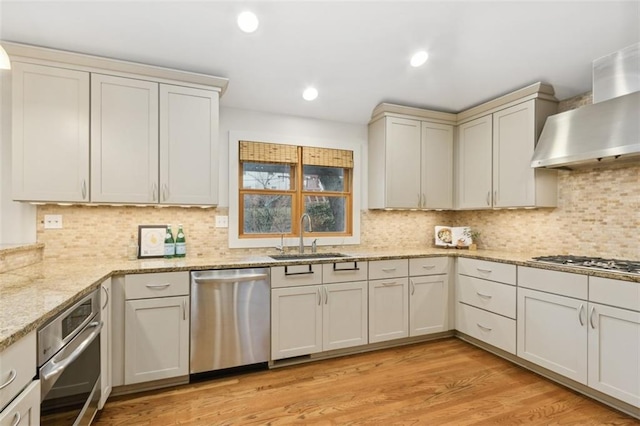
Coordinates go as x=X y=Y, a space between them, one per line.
x=17 y=220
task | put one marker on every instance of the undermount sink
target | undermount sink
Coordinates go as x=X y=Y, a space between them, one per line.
x=307 y=256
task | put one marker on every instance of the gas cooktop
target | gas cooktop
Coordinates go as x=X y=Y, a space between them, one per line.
x=611 y=265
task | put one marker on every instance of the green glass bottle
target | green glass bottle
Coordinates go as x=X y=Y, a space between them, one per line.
x=169 y=244
x=181 y=246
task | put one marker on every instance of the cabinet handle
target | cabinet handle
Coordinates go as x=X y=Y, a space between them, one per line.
x=488 y=198
x=495 y=197
x=388 y=269
x=319 y=297
x=16 y=418
x=593 y=311
x=310 y=271
x=428 y=266
x=389 y=283
x=580 y=314
x=424 y=201
x=157 y=286
x=486 y=271
x=488 y=296
x=184 y=310
x=355 y=267
x=413 y=287
x=165 y=192
x=106 y=302
x=84 y=189
x=326 y=296
x=483 y=327
x=12 y=376
x=154 y=191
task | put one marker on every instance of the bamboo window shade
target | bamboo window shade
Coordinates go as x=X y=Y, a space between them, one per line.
x=261 y=152
x=327 y=157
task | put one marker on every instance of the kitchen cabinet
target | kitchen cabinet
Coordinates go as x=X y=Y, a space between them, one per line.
x=313 y=318
x=486 y=302
x=124 y=140
x=50 y=141
x=494 y=150
x=156 y=326
x=17 y=367
x=388 y=300
x=429 y=295
x=24 y=410
x=106 y=343
x=410 y=163
x=188 y=146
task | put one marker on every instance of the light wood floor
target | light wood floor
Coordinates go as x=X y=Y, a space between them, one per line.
x=435 y=383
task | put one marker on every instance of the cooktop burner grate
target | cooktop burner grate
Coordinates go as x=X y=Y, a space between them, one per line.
x=613 y=265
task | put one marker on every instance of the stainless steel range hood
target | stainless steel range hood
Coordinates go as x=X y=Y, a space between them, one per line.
x=607 y=130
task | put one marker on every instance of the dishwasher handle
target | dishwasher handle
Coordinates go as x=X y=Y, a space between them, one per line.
x=234 y=279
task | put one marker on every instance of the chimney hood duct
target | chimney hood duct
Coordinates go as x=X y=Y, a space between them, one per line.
x=609 y=129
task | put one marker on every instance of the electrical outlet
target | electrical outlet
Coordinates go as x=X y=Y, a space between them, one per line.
x=52 y=221
x=222 y=221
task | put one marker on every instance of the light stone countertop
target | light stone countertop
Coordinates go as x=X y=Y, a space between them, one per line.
x=32 y=295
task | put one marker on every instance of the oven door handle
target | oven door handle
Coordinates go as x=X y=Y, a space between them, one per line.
x=53 y=369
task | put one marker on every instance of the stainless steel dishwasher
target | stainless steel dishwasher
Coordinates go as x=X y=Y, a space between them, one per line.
x=230 y=318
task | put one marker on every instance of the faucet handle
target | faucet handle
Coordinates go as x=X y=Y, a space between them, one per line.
x=314 y=246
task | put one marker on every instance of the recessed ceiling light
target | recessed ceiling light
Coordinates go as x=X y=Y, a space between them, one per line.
x=248 y=21
x=310 y=93
x=419 y=58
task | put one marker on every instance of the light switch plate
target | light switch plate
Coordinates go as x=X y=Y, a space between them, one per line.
x=52 y=221
x=222 y=221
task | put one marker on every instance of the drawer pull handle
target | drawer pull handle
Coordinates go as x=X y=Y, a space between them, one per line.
x=326 y=296
x=486 y=296
x=487 y=271
x=428 y=266
x=580 y=314
x=355 y=267
x=388 y=269
x=310 y=271
x=483 y=327
x=16 y=418
x=319 y=297
x=158 y=286
x=593 y=311
x=12 y=376
x=389 y=283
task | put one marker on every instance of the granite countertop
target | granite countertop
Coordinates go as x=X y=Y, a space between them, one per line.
x=31 y=295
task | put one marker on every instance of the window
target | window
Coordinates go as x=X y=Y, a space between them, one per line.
x=277 y=183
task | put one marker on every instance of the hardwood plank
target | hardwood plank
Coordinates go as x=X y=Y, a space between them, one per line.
x=445 y=382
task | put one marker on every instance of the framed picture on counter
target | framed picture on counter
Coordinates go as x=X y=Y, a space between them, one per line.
x=151 y=241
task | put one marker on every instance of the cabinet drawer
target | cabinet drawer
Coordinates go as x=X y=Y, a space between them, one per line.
x=495 y=271
x=381 y=269
x=487 y=295
x=296 y=275
x=428 y=266
x=340 y=272
x=164 y=284
x=556 y=282
x=622 y=294
x=493 y=329
x=17 y=367
x=25 y=408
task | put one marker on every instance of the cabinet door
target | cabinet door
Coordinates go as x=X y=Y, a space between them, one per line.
x=437 y=166
x=428 y=301
x=296 y=321
x=388 y=309
x=105 y=342
x=474 y=164
x=156 y=339
x=50 y=134
x=552 y=332
x=124 y=140
x=25 y=409
x=513 y=144
x=344 y=315
x=614 y=352
x=402 y=163
x=188 y=145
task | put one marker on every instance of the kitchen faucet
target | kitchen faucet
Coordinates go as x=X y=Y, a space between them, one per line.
x=302 y=230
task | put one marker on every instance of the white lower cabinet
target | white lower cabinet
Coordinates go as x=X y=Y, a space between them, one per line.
x=318 y=318
x=106 y=342
x=552 y=332
x=493 y=329
x=428 y=295
x=388 y=309
x=25 y=409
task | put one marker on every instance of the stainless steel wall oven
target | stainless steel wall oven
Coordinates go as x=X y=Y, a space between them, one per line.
x=69 y=364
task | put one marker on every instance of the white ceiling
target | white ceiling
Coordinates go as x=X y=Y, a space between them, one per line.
x=356 y=53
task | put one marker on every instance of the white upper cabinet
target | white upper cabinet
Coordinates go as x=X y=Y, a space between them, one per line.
x=124 y=140
x=474 y=164
x=410 y=161
x=50 y=133
x=188 y=145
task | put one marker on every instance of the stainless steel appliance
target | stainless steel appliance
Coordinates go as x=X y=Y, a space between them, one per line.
x=69 y=364
x=610 y=265
x=230 y=318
